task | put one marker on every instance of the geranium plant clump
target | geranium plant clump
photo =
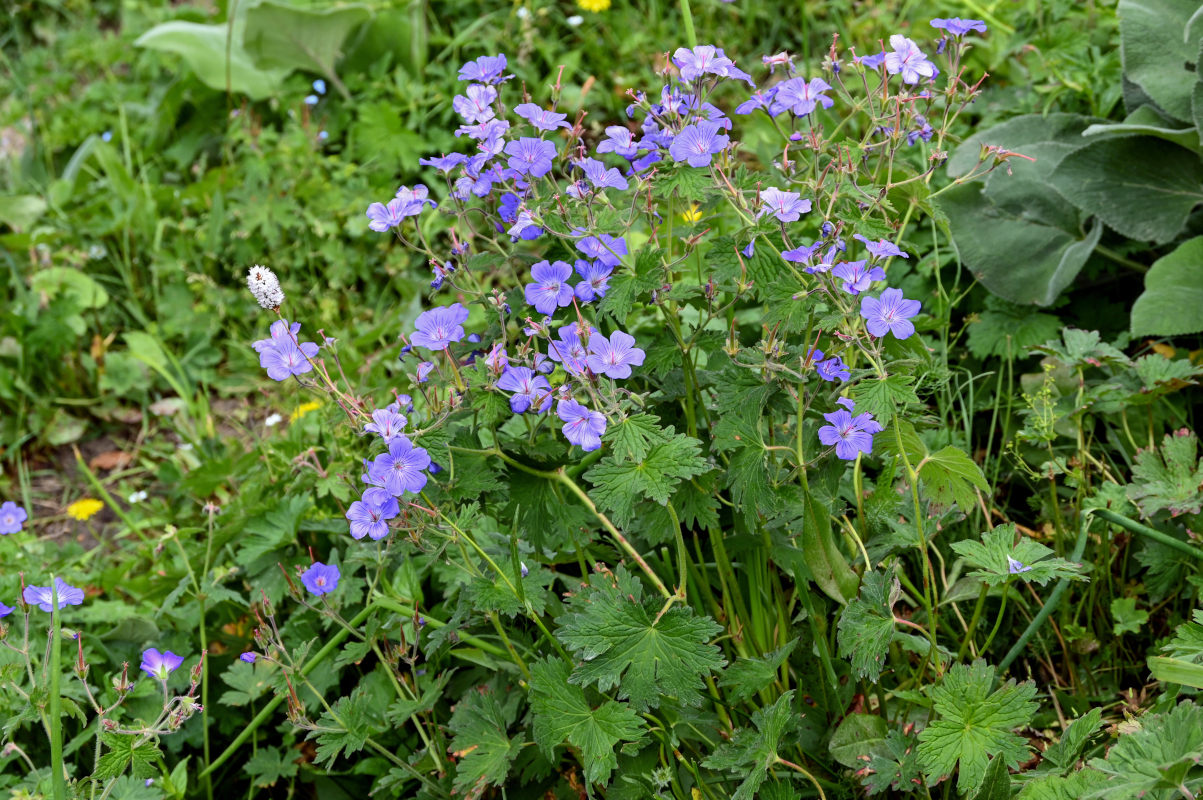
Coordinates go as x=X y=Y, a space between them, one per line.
x=665 y=385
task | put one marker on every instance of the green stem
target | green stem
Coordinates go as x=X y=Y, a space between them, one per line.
x=977 y=615
x=1149 y=533
x=57 y=768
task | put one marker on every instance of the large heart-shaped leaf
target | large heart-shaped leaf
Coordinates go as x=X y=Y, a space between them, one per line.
x=1141 y=186
x=1159 y=41
x=1022 y=257
x=1172 y=303
x=204 y=48
x=281 y=35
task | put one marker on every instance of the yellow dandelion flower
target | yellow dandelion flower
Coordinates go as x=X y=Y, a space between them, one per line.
x=596 y=6
x=84 y=509
x=303 y=409
x=693 y=214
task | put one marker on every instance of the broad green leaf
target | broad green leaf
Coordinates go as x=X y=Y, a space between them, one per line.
x=894 y=766
x=747 y=676
x=1005 y=329
x=1140 y=186
x=1064 y=753
x=205 y=50
x=632 y=438
x=975 y=724
x=1126 y=616
x=284 y=36
x=1156 y=54
x=268 y=765
x=752 y=753
x=990 y=558
x=1172 y=302
x=19 y=211
x=1175 y=670
x=561 y=714
x=248 y=682
x=481 y=740
x=1074 y=786
x=1156 y=756
x=123 y=752
x=618 y=483
x=625 y=642
x=951 y=475
x=857 y=736
x=1021 y=255
x=356 y=718
x=1149 y=121
x=84 y=291
x=997 y=784
x=866 y=624
x=1188 y=640
x=827 y=564
x=1169 y=479
x=1045 y=137
x=881 y=397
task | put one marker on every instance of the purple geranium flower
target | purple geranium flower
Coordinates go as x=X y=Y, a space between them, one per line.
x=12 y=516
x=849 y=434
x=414 y=199
x=595 y=280
x=444 y=163
x=383 y=217
x=531 y=157
x=1014 y=565
x=605 y=248
x=389 y=424
x=696 y=144
x=856 y=277
x=801 y=97
x=439 y=326
x=400 y=469
x=541 y=118
x=550 y=289
x=581 y=426
x=707 y=60
x=880 y=249
x=889 y=313
x=5 y=610
x=763 y=100
x=833 y=369
x=528 y=388
x=424 y=369
x=160 y=665
x=569 y=350
x=908 y=60
x=371 y=519
x=620 y=141
x=785 y=206
x=871 y=62
x=476 y=104
x=615 y=356
x=959 y=27
x=321 y=578
x=248 y=657
x=42 y=597
x=600 y=176
x=486 y=69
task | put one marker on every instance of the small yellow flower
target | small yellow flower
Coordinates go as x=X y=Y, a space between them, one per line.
x=303 y=409
x=85 y=508
x=693 y=214
x=595 y=6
